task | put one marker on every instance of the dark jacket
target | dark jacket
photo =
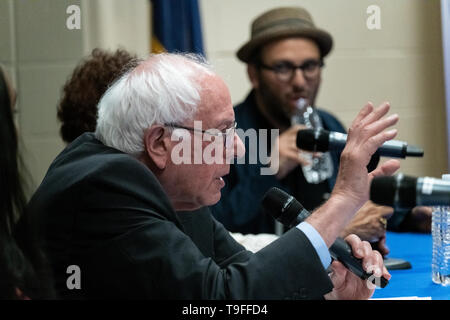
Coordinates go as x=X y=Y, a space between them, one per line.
x=105 y=212
x=239 y=208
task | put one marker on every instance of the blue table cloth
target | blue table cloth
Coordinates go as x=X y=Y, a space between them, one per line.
x=417 y=249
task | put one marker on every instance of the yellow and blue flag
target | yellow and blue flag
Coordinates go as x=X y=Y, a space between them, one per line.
x=176 y=26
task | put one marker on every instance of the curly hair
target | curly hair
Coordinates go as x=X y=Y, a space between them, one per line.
x=77 y=108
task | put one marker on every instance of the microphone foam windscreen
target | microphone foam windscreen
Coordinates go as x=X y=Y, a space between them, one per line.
x=284 y=207
x=316 y=140
x=398 y=191
x=306 y=140
x=383 y=190
x=407 y=192
x=274 y=201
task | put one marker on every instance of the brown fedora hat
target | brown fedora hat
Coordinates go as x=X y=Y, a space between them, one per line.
x=281 y=23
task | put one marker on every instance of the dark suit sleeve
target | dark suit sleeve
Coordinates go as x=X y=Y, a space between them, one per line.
x=157 y=260
x=280 y=268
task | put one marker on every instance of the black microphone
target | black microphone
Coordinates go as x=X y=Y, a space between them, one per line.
x=287 y=210
x=320 y=140
x=407 y=192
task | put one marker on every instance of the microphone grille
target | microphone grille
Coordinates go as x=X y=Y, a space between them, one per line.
x=306 y=139
x=284 y=207
x=274 y=200
x=383 y=190
x=313 y=140
x=398 y=191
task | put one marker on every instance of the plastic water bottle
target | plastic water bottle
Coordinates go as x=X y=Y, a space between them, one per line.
x=440 y=229
x=321 y=165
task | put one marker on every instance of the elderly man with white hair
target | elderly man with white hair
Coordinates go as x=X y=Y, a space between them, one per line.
x=108 y=204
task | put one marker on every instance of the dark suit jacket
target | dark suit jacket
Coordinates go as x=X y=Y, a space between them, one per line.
x=104 y=211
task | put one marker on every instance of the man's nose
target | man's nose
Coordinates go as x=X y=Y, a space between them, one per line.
x=238 y=150
x=298 y=78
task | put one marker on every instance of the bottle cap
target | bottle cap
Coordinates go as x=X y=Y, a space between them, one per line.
x=301 y=104
x=446 y=177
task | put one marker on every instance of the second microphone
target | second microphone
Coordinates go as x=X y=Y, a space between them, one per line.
x=320 y=140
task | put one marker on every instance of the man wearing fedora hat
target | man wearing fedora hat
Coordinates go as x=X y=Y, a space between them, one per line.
x=284 y=58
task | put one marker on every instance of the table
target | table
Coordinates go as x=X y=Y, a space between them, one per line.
x=417 y=249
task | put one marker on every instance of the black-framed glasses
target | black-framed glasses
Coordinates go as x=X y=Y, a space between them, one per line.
x=227 y=135
x=285 y=70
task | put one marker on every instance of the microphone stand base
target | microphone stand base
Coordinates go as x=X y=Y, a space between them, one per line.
x=396 y=264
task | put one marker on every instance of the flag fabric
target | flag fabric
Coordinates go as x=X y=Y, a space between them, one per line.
x=176 y=26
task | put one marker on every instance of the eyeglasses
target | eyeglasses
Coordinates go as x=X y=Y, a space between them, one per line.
x=227 y=135
x=285 y=70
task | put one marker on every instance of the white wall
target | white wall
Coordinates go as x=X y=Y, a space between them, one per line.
x=111 y=24
x=40 y=52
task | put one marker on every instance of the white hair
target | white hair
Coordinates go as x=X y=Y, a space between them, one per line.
x=163 y=89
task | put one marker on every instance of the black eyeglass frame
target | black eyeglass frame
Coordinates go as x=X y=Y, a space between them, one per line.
x=228 y=135
x=289 y=74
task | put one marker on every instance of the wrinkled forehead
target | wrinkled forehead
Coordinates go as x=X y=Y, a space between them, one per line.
x=215 y=107
x=214 y=97
x=290 y=48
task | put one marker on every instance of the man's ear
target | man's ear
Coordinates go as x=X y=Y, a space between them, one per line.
x=252 y=72
x=157 y=145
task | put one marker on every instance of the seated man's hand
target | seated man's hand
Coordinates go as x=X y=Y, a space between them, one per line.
x=369 y=224
x=418 y=220
x=289 y=156
x=348 y=286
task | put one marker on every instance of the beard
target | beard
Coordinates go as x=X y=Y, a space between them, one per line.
x=278 y=110
x=273 y=105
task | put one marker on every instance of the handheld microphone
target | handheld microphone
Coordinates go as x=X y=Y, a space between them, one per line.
x=287 y=210
x=322 y=140
x=407 y=192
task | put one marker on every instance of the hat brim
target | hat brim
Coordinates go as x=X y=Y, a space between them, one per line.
x=322 y=38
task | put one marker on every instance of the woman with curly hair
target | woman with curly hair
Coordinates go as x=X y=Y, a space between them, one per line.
x=77 y=109
x=24 y=272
